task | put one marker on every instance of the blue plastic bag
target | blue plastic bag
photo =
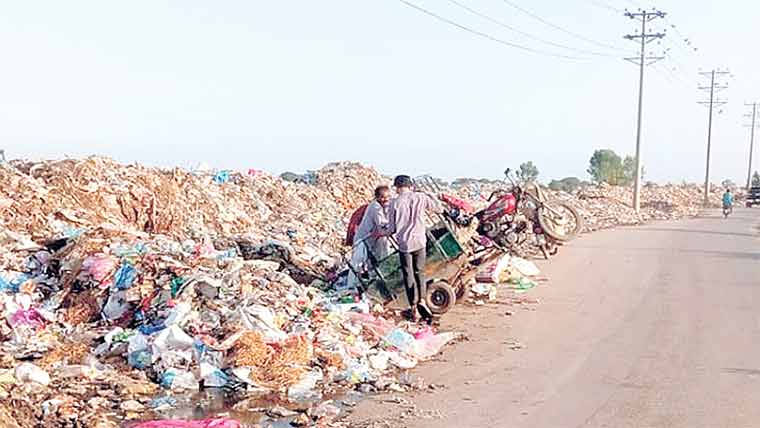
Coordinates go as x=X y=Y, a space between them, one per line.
x=222 y=177
x=125 y=276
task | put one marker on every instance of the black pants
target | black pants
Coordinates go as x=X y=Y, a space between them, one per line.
x=412 y=268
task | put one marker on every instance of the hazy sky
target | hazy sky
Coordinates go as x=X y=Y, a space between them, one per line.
x=292 y=84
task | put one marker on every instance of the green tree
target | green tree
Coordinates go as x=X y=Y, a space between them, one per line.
x=629 y=170
x=605 y=166
x=528 y=172
x=567 y=184
x=756 y=179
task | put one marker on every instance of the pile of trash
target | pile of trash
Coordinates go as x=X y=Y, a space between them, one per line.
x=98 y=326
x=63 y=198
x=514 y=273
x=605 y=206
x=124 y=289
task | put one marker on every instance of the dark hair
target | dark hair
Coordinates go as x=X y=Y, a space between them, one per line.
x=402 y=181
x=380 y=189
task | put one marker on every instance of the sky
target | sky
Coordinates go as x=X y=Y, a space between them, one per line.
x=293 y=84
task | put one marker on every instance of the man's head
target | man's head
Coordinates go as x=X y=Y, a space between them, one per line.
x=402 y=183
x=383 y=194
x=728 y=190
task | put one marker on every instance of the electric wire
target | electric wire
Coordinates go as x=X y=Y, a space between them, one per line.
x=557 y=27
x=528 y=35
x=486 y=35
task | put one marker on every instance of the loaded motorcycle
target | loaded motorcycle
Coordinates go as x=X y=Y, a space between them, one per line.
x=512 y=214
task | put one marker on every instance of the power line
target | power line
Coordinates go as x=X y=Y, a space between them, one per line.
x=607 y=6
x=528 y=35
x=643 y=38
x=712 y=103
x=557 y=27
x=488 y=36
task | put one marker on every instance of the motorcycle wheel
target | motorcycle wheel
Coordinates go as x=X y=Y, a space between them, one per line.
x=553 y=225
x=440 y=297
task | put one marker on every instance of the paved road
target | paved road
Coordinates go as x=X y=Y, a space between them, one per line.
x=656 y=326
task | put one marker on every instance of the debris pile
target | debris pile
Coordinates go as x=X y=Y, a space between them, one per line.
x=606 y=206
x=126 y=286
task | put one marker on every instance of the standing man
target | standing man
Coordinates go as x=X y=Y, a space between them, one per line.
x=375 y=247
x=406 y=221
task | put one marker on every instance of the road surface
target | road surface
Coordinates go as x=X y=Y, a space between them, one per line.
x=655 y=326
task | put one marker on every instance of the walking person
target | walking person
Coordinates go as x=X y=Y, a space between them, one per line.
x=406 y=222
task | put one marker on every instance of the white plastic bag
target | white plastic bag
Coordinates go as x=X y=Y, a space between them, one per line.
x=28 y=372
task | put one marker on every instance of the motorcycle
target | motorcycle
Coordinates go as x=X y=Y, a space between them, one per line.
x=727 y=209
x=512 y=214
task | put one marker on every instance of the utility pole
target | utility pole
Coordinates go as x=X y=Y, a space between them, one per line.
x=643 y=38
x=751 y=142
x=712 y=103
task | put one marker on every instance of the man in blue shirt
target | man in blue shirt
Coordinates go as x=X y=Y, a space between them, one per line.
x=728 y=200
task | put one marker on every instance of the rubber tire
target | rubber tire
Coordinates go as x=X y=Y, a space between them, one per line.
x=440 y=297
x=562 y=238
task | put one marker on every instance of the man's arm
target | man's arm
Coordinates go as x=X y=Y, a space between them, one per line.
x=388 y=228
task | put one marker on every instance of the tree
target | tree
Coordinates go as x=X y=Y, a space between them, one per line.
x=567 y=184
x=528 y=172
x=629 y=170
x=755 y=179
x=605 y=166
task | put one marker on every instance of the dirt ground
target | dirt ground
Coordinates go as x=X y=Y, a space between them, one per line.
x=653 y=326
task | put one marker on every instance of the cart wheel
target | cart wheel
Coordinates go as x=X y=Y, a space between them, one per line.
x=440 y=297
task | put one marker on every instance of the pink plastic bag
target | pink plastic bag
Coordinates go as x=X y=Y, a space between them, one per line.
x=379 y=326
x=424 y=333
x=202 y=423
x=99 y=266
x=28 y=317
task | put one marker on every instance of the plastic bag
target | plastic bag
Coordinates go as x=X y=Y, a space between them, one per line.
x=261 y=318
x=213 y=377
x=125 y=276
x=28 y=372
x=175 y=379
x=525 y=267
x=99 y=266
x=139 y=359
x=202 y=423
x=431 y=345
x=305 y=388
x=401 y=340
x=173 y=338
x=222 y=177
x=28 y=317
x=116 y=306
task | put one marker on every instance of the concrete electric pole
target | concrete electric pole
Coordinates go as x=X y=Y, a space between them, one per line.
x=711 y=104
x=751 y=142
x=642 y=60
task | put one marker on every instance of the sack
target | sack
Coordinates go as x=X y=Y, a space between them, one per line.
x=353 y=224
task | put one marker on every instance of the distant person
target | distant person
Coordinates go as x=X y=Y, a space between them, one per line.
x=728 y=200
x=406 y=222
x=367 y=243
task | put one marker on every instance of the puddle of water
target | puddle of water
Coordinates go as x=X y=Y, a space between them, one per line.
x=250 y=410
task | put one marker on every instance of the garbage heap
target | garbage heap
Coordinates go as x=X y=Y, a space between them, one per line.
x=124 y=287
x=605 y=206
